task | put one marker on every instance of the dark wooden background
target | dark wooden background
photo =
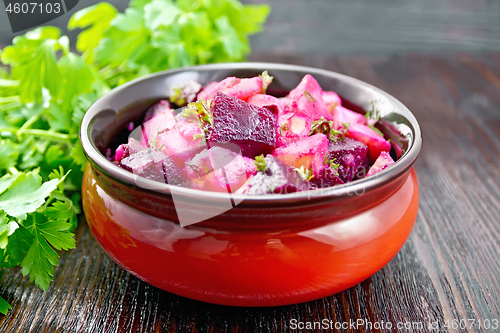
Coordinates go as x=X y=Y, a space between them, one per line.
x=449 y=268
x=356 y=26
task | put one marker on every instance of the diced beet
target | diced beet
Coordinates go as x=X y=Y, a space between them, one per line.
x=327 y=177
x=158 y=119
x=307 y=99
x=121 y=152
x=278 y=178
x=245 y=187
x=308 y=152
x=343 y=115
x=331 y=99
x=153 y=164
x=124 y=150
x=180 y=143
x=219 y=169
x=350 y=155
x=383 y=161
x=292 y=127
x=160 y=107
x=375 y=142
x=236 y=87
x=207 y=91
x=252 y=128
x=262 y=100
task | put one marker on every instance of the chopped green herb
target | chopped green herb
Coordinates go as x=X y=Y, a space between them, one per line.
x=195 y=169
x=284 y=127
x=201 y=110
x=373 y=113
x=322 y=126
x=327 y=158
x=306 y=174
x=334 y=165
x=309 y=97
x=176 y=97
x=260 y=162
x=345 y=130
x=376 y=130
x=266 y=80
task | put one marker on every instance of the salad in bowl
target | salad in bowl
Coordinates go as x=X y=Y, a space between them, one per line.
x=219 y=184
x=232 y=136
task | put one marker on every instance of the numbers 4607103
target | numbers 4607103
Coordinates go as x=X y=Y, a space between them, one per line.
x=33 y=8
x=472 y=323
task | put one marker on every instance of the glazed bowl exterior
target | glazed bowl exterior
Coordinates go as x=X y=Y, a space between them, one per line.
x=265 y=250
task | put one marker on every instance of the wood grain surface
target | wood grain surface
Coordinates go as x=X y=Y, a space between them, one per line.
x=448 y=270
x=354 y=26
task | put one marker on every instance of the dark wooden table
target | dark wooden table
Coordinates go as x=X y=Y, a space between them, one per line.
x=449 y=270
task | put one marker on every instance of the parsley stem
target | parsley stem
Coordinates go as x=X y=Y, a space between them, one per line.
x=9 y=106
x=30 y=122
x=9 y=99
x=51 y=135
x=13 y=170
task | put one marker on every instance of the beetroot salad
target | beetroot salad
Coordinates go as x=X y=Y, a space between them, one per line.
x=230 y=136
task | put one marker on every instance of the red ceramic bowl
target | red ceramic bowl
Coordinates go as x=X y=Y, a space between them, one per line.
x=267 y=250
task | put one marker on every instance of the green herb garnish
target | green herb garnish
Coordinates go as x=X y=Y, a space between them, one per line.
x=260 y=163
x=309 y=97
x=200 y=110
x=326 y=127
x=176 y=97
x=305 y=174
x=373 y=113
x=266 y=80
x=322 y=126
x=284 y=127
x=376 y=130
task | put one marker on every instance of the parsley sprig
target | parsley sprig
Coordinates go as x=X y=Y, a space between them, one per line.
x=45 y=89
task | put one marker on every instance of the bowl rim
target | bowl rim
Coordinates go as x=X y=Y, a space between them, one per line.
x=398 y=169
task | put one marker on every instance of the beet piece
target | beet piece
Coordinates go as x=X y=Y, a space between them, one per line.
x=236 y=87
x=331 y=99
x=383 y=161
x=343 y=115
x=327 y=177
x=180 y=144
x=262 y=100
x=152 y=164
x=252 y=128
x=219 y=169
x=307 y=99
x=278 y=178
x=292 y=127
x=308 y=152
x=125 y=150
x=376 y=143
x=350 y=155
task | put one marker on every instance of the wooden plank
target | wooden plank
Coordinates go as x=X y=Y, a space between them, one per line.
x=449 y=269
